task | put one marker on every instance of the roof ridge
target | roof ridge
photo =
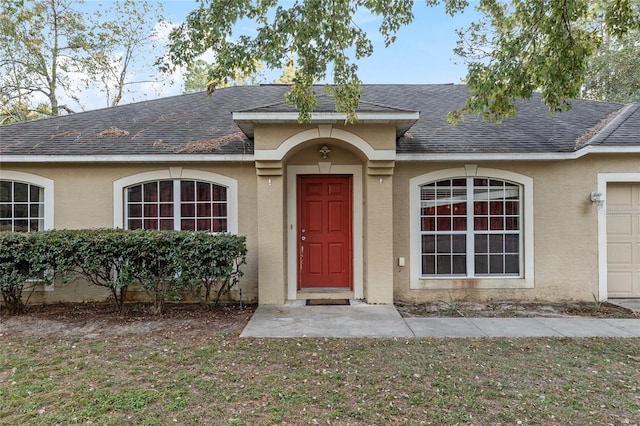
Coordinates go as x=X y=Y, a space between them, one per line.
x=598 y=134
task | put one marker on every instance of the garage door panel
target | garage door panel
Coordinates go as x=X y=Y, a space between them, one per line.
x=619 y=224
x=621 y=283
x=620 y=253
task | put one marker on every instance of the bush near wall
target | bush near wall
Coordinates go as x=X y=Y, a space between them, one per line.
x=165 y=263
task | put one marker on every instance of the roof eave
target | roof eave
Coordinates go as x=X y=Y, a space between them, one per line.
x=403 y=120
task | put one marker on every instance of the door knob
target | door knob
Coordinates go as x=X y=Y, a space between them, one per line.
x=303 y=238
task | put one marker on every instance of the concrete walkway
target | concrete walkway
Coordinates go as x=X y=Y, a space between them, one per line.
x=294 y=319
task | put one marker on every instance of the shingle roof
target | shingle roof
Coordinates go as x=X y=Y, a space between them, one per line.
x=197 y=123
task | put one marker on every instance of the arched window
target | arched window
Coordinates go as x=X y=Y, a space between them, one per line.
x=471 y=223
x=176 y=199
x=22 y=206
x=471 y=227
x=187 y=205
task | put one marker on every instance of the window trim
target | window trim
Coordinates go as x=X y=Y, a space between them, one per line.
x=48 y=190
x=526 y=280
x=177 y=173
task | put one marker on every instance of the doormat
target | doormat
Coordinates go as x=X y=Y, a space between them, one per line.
x=327 y=302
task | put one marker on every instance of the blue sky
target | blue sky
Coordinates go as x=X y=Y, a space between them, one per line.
x=422 y=53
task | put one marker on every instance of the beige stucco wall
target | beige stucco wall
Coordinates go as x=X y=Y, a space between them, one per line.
x=83 y=197
x=565 y=229
x=564 y=232
x=271 y=136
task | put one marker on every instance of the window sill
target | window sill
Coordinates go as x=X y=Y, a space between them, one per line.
x=451 y=283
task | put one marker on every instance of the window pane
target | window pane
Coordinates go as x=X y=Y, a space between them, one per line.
x=459 y=243
x=166 y=224
x=151 y=224
x=187 y=190
x=34 y=225
x=204 y=210
x=481 y=264
x=166 y=191
x=496 y=208
x=428 y=244
x=204 y=224
x=219 y=210
x=481 y=208
x=480 y=182
x=134 y=224
x=460 y=209
x=5 y=226
x=428 y=265
x=495 y=244
x=150 y=210
x=428 y=224
x=459 y=223
x=219 y=225
x=150 y=191
x=443 y=243
x=35 y=210
x=481 y=224
x=497 y=223
x=21 y=210
x=21 y=226
x=459 y=265
x=219 y=193
x=134 y=193
x=35 y=193
x=481 y=244
x=166 y=210
x=511 y=224
x=495 y=264
x=512 y=243
x=444 y=224
x=6 y=192
x=512 y=264
x=444 y=265
x=135 y=210
x=188 y=210
x=204 y=191
x=188 y=225
x=6 y=212
x=511 y=207
x=21 y=192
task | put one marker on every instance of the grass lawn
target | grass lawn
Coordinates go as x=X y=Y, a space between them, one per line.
x=225 y=380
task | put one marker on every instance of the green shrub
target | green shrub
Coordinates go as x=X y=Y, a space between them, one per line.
x=165 y=263
x=210 y=265
x=27 y=259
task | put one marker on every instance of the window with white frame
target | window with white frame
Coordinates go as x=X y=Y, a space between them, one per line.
x=177 y=204
x=471 y=227
x=21 y=206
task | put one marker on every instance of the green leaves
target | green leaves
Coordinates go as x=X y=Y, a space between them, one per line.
x=519 y=47
x=165 y=263
x=320 y=35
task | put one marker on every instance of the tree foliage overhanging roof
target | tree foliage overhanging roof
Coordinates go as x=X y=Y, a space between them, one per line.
x=520 y=46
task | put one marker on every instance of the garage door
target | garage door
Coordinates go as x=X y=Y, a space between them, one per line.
x=623 y=239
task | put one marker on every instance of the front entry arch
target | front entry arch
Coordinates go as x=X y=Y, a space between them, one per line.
x=293 y=229
x=325 y=232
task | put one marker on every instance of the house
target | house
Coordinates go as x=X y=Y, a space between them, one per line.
x=400 y=206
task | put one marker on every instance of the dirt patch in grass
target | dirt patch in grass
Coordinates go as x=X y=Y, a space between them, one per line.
x=93 y=320
x=514 y=310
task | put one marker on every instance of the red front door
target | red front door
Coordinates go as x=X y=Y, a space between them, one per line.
x=324 y=232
